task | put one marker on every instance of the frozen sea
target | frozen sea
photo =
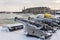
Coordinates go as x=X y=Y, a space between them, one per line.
x=20 y=34
x=4 y=18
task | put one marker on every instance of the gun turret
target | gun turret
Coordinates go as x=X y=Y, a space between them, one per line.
x=36 y=28
x=51 y=22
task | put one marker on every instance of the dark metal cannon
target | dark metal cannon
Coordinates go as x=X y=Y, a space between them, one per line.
x=36 y=29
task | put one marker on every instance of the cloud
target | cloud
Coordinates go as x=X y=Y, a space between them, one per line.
x=19 y=4
x=57 y=1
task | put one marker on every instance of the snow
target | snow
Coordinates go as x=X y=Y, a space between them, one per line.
x=20 y=35
x=56 y=36
x=11 y=25
x=16 y=35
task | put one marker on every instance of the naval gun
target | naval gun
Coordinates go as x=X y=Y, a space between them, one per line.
x=45 y=19
x=53 y=22
x=36 y=29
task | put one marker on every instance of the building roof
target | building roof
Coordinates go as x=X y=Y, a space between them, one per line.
x=38 y=8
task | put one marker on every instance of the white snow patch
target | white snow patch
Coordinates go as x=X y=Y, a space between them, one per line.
x=16 y=35
x=56 y=36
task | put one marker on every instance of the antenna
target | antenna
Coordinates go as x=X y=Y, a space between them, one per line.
x=24 y=9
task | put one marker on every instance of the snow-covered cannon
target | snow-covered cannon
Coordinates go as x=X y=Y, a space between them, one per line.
x=13 y=27
x=36 y=29
x=51 y=22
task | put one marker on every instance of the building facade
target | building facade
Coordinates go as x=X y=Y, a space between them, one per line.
x=37 y=10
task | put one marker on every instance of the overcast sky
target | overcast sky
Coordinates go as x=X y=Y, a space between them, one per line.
x=18 y=5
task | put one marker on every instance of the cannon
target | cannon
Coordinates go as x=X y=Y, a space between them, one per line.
x=36 y=29
x=53 y=22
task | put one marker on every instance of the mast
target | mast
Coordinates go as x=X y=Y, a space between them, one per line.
x=24 y=9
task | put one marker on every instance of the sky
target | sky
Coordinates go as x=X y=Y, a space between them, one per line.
x=18 y=5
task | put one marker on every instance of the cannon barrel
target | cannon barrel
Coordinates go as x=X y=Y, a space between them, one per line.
x=51 y=22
